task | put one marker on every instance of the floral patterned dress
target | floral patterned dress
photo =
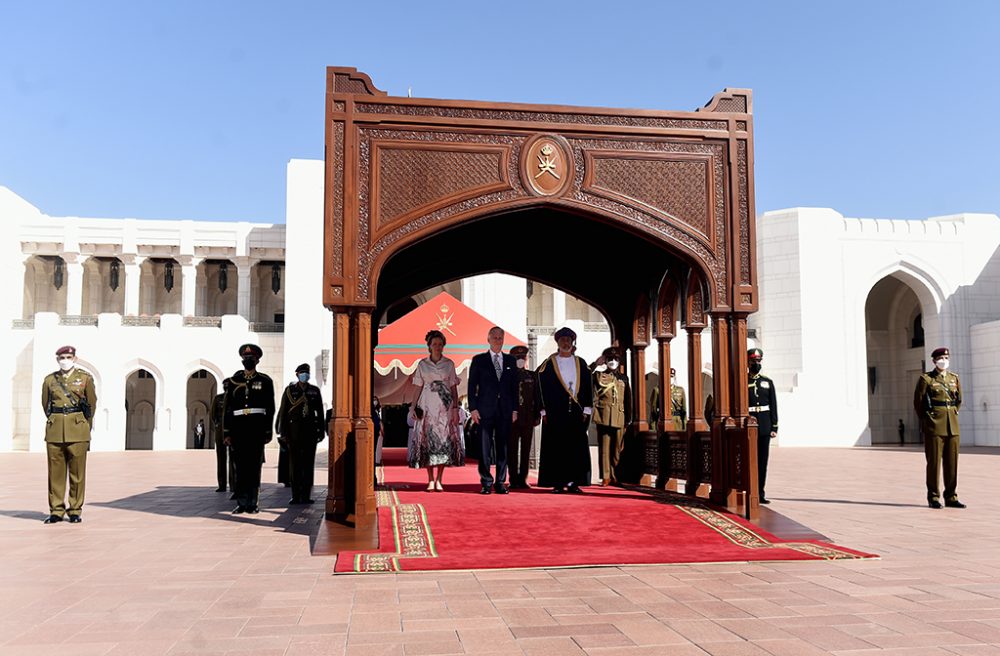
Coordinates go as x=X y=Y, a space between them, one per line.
x=435 y=440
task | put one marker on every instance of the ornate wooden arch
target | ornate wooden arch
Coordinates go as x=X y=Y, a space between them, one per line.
x=403 y=171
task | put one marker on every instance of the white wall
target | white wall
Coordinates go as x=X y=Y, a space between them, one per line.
x=308 y=325
x=982 y=406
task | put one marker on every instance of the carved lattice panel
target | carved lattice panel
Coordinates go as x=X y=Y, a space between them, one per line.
x=670 y=187
x=678 y=463
x=417 y=178
x=651 y=453
x=705 y=445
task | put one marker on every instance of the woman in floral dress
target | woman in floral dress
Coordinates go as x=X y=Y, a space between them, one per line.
x=437 y=441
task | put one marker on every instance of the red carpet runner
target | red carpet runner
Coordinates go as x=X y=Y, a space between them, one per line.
x=459 y=529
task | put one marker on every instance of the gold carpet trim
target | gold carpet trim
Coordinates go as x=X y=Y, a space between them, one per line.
x=745 y=537
x=410 y=531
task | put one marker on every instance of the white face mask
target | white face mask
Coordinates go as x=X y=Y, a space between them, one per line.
x=612 y=365
x=941 y=363
x=521 y=363
x=66 y=365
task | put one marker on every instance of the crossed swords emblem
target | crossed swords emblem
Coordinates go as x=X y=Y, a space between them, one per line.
x=547 y=162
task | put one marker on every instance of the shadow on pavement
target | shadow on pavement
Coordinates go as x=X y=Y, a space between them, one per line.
x=191 y=501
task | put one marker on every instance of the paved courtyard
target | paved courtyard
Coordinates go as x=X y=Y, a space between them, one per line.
x=159 y=566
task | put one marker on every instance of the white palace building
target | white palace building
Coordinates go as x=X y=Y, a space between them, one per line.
x=850 y=310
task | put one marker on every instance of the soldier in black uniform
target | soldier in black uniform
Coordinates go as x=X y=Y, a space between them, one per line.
x=246 y=426
x=299 y=426
x=529 y=406
x=222 y=452
x=764 y=408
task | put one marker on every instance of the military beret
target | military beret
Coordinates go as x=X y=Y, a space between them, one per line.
x=755 y=354
x=304 y=367
x=66 y=349
x=610 y=353
x=938 y=352
x=251 y=349
x=519 y=351
x=565 y=332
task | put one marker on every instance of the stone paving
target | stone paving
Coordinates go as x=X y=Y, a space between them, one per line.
x=159 y=566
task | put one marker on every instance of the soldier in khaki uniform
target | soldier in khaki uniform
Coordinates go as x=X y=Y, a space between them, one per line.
x=69 y=400
x=612 y=412
x=937 y=400
x=678 y=402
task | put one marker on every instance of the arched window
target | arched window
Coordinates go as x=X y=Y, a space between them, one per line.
x=917 y=341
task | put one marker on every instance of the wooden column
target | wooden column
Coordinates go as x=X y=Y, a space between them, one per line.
x=666 y=420
x=364 y=429
x=640 y=340
x=739 y=409
x=740 y=403
x=639 y=410
x=696 y=419
x=721 y=375
x=666 y=301
x=696 y=411
x=666 y=409
x=722 y=487
x=340 y=424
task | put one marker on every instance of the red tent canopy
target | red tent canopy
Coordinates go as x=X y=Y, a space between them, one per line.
x=401 y=344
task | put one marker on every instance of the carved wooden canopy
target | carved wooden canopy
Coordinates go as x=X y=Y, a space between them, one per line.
x=600 y=202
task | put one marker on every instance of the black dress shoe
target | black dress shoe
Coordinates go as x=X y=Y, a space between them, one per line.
x=75 y=519
x=239 y=510
x=220 y=489
x=765 y=501
x=574 y=489
x=294 y=502
x=557 y=490
x=954 y=503
x=500 y=489
x=53 y=519
x=934 y=503
x=254 y=510
x=486 y=490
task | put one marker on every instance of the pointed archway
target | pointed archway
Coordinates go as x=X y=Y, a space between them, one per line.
x=897 y=327
x=419 y=192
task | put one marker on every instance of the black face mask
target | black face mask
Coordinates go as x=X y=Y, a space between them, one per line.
x=755 y=367
x=249 y=363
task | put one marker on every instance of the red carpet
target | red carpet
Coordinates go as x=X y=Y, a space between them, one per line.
x=459 y=529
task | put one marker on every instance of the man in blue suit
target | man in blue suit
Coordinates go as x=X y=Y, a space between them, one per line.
x=493 y=403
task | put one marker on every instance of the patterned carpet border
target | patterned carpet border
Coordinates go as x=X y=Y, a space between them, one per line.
x=410 y=531
x=737 y=533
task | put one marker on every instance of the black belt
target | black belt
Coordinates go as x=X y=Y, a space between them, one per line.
x=943 y=404
x=67 y=410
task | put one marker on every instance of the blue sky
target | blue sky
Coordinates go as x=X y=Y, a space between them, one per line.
x=192 y=109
